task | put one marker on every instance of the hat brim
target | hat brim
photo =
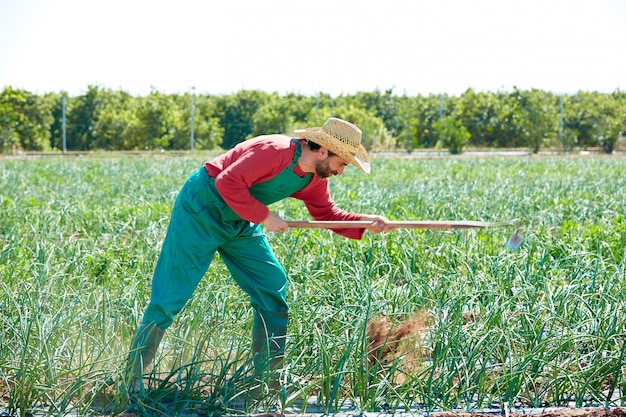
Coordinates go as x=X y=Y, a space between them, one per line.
x=359 y=159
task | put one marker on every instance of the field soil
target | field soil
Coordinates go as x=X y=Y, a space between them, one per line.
x=566 y=412
x=574 y=412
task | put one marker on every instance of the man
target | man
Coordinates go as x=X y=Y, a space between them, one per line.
x=220 y=209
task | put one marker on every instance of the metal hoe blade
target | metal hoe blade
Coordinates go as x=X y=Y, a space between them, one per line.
x=515 y=240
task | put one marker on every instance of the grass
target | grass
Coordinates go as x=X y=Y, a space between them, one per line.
x=543 y=325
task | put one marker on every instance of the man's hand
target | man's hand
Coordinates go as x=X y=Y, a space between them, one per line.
x=274 y=223
x=379 y=223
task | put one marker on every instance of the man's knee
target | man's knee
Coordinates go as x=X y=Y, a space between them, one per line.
x=156 y=315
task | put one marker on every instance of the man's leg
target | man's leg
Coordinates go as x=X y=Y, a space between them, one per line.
x=269 y=336
x=142 y=352
x=256 y=270
x=187 y=251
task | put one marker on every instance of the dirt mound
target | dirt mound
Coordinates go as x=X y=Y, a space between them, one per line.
x=385 y=338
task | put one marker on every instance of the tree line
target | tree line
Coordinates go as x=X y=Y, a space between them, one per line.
x=105 y=119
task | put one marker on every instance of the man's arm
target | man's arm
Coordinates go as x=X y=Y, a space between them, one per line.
x=316 y=197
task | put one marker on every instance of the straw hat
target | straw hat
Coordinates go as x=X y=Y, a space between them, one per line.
x=341 y=138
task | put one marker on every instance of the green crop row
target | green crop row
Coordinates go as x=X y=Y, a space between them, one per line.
x=466 y=323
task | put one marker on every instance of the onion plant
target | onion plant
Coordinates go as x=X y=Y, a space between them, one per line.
x=539 y=326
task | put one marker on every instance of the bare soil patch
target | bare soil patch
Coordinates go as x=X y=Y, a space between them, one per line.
x=565 y=412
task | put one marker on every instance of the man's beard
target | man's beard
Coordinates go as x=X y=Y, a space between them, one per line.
x=322 y=169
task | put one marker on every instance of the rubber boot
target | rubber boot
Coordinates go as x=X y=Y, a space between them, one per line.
x=269 y=335
x=142 y=353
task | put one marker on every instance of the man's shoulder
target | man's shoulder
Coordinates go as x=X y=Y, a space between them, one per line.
x=272 y=139
x=276 y=142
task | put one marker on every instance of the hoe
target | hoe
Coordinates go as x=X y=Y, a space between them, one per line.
x=513 y=243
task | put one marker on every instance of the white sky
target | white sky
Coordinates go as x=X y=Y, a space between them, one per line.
x=330 y=46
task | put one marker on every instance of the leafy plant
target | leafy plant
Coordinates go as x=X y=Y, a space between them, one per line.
x=540 y=326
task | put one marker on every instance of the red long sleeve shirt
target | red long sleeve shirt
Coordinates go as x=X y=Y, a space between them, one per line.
x=260 y=159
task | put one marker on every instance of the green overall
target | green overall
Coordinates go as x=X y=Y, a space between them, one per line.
x=202 y=224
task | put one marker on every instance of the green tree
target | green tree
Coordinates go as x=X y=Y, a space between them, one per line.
x=479 y=112
x=537 y=118
x=176 y=122
x=28 y=118
x=155 y=124
x=375 y=135
x=374 y=132
x=273 y=116
x=612 y=110
x=582 y=119
x=299 y=107
x=9 y=136
x=420 y=113
x=506 y=129
x=56 y=127
x=454 y=136
x=115 y=114
x=237 y=112
x=81 y=119
x=106 y=119
x=385 y=106
x=207 y=130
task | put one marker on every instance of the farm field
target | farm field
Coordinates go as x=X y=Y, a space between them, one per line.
x=426 y=320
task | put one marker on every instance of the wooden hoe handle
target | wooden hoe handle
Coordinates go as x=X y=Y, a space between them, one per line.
x=361 y=224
